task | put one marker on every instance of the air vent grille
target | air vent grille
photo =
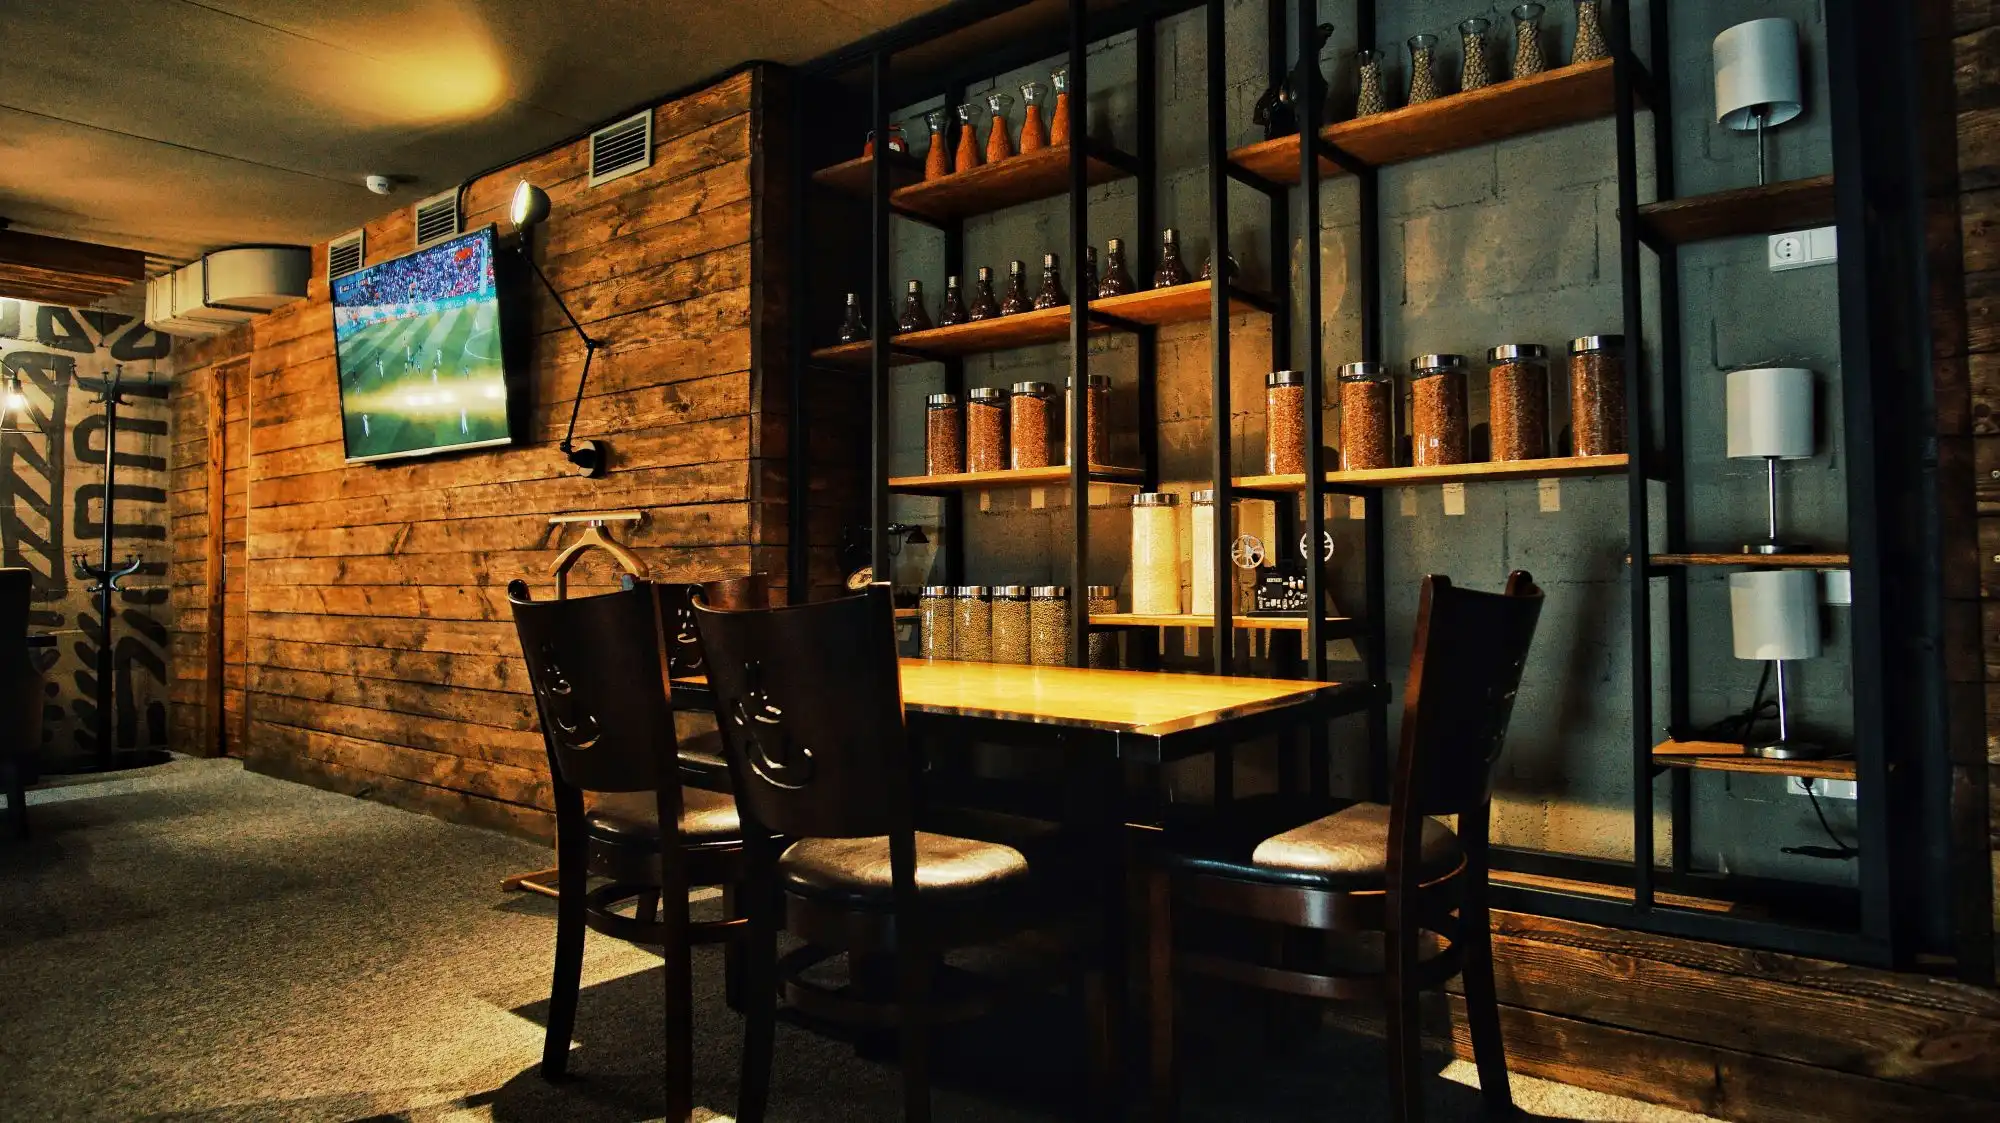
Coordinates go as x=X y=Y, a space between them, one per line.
x=621 y=149
x=345 y=253
x=437 y=218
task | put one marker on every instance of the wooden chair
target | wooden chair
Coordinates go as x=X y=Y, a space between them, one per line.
x=1352 y=867
x=20 y=696
x=810 y=702
x=599 y=669
x=702 y=762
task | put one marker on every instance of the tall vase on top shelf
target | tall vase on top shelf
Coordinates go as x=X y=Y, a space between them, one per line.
x=937 y=162
x=1034 y=134
x=968 y=138
x=1059 y=113
x=999 y=146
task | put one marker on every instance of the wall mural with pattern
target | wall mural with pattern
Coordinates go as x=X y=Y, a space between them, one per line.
x=52 y=483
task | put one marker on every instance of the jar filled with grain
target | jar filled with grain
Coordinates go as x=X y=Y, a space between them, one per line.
x=986 y=429
x=1367 y=417
x=1156 y=554
x=1285 y=423
x=1010 y=624
x=1475 y=71
x=1517 y=385
x=1597 y=394
x=1437 y=410
x=1096 y=414
x=1528 y=57
x=972 y=624
x=1101 y=648
x=1205 y=526
x=1048 y=625
x=944 y=435
x=1028 y=425
x=936 y=606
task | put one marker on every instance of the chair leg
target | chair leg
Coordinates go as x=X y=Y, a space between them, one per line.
x=760 y=1004
x=913 y=969
x=732 y=951
x=1405 y=1040
x=678 y=968
x=647 y=908
x=17 y=798
x=572 y=879
x=1165 y=1089
x=1482 y=1010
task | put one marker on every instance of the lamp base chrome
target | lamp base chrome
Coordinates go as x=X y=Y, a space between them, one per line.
x=1773 y=548
x=1787 y=750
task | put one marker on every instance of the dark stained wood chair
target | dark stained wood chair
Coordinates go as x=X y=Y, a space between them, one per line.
x=702 y=762
x=1359 y=868
x=810 y=702
x=599 y=669
x=20 y=696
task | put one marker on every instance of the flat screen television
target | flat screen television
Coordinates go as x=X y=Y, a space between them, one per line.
x=418 y=341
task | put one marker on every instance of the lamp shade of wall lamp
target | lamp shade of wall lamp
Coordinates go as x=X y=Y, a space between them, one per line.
x=14 y=409
x=1770 y=419
x=1757 y=79
x=528 y=209
x=529 y=206
x=1774 y=617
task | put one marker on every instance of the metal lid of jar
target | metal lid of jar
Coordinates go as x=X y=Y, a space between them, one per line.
x=986 y=394
x=1037 y=389
x=1285 y=378
x=1049 y=592
x=979 y=591
x=1584 y=343
x=1354 y=372
x=1101 y=592
x=934 y=401
x=1010 y=592
x=1423 y=363
x=1155 y=499
x=1203 y=498
x=1509 y=351
x=1096 y=382
x=939 y=590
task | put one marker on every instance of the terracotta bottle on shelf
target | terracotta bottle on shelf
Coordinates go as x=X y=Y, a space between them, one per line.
x=937 y=162
x=1052 y=294
x=853 y=329
x=984 y=307
x=998 y=145
x=1034 y=136
x=968 y=139
x=914 y=317
x=1117 y=279
x=953 y=311
x=1059 y=113
x=1171 y=271
x=1017 y=289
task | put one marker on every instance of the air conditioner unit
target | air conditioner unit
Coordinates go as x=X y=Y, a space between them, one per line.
x=226 y=289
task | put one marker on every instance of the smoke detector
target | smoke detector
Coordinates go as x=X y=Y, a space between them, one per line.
x=381 y=184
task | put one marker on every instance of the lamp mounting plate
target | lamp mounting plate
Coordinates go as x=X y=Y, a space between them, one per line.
x=590 y=458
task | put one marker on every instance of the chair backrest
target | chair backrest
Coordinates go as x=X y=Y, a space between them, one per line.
x=684 y=654
x=1464 y=673
x=810 y=703
x=598 y=665
x=16 y=587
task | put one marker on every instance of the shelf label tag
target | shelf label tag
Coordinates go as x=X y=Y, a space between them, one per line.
x=1454 y=499
x=1549 y=492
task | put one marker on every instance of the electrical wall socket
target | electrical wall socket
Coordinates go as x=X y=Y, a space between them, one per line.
x=1798 y=249
x=1826 y=789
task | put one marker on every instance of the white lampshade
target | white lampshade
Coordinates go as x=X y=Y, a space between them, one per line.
x=1757 y=69
x=1774 y=614
x=1771 y=413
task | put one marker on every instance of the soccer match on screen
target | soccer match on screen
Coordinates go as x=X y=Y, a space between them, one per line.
x=418 y=341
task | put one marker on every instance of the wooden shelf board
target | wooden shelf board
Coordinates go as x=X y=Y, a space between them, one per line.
x=990 y=187
x=857 y=354
x=906 y=614
x=1563 y=96
x=1798 y=204
x=1607 y=892
x=857 y=176
x=1335 y=626
x=1490 y=470
x=1056 y=475
x=1760 y=561
x=1176 y=304
x=1720 y=756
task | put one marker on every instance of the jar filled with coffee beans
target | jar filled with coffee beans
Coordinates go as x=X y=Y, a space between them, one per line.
x=1028 y=425
x=1437 y=410
x=1285 y=423
x=972 y=624
x=986 y=429
x=935 y=607
x=1048 y=625
x=1367 y=417
x=1597 y=394
x=944 y=435
x=1518 y=400
x=1096 y=416
x=1010 y=624
x=1101 y=648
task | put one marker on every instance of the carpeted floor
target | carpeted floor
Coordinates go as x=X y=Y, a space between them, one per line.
x=193 y=942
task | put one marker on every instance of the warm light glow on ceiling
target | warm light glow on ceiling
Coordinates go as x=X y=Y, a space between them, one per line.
x=434 y=62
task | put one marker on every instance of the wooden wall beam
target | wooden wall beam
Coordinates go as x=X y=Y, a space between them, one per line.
x=60 y=271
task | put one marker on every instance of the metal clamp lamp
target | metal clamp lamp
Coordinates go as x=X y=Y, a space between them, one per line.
x=529 y=208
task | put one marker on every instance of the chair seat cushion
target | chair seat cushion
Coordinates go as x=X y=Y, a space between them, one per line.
x=703 y=762
x=855 y=872
x=1338 y=845
x=634 y=817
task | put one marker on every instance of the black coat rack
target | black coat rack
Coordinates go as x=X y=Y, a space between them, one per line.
x=106 y=577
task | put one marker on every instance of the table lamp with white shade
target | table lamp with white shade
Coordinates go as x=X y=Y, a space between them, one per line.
x=1774 y=617
x=1757 y=79
x=1770 y=419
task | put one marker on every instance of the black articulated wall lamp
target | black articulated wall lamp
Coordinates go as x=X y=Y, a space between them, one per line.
x=529 y=208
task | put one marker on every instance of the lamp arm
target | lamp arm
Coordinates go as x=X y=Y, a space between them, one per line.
x=589 y=347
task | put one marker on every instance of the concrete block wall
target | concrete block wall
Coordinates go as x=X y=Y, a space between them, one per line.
x=1513 y=242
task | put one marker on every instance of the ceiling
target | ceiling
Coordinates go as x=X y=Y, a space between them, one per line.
x=177 y=126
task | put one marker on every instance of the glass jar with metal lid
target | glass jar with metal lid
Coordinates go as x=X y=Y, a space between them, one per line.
x=972 y=624
x=944 y=435
x=986 y=430
x=1206 y=524
x=1437 y=410
x=1517 y=382
x=936 y=606
x=1010 y=624
x=1285 y=423
x=1597 y=394
x=1096 y=419
x=1156 y=554
x=1028 y=427
x=1101 y=648
x=1048 y=625
x=1367 y=417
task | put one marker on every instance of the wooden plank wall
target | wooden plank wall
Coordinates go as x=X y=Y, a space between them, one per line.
x=211 y=385
x=378 y=656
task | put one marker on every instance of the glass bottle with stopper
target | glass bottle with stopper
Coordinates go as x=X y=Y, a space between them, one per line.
x=1277 y=109
x=853 y=329
x=914 y=317
x=1017 y=299
x=1051 y=294
x=1034 y=134
x=953 y=311
x=937 y=161
x=1117 y=279
x=1059 y=113
x=998 y=145
x=1171 y=271
x=984 y=306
